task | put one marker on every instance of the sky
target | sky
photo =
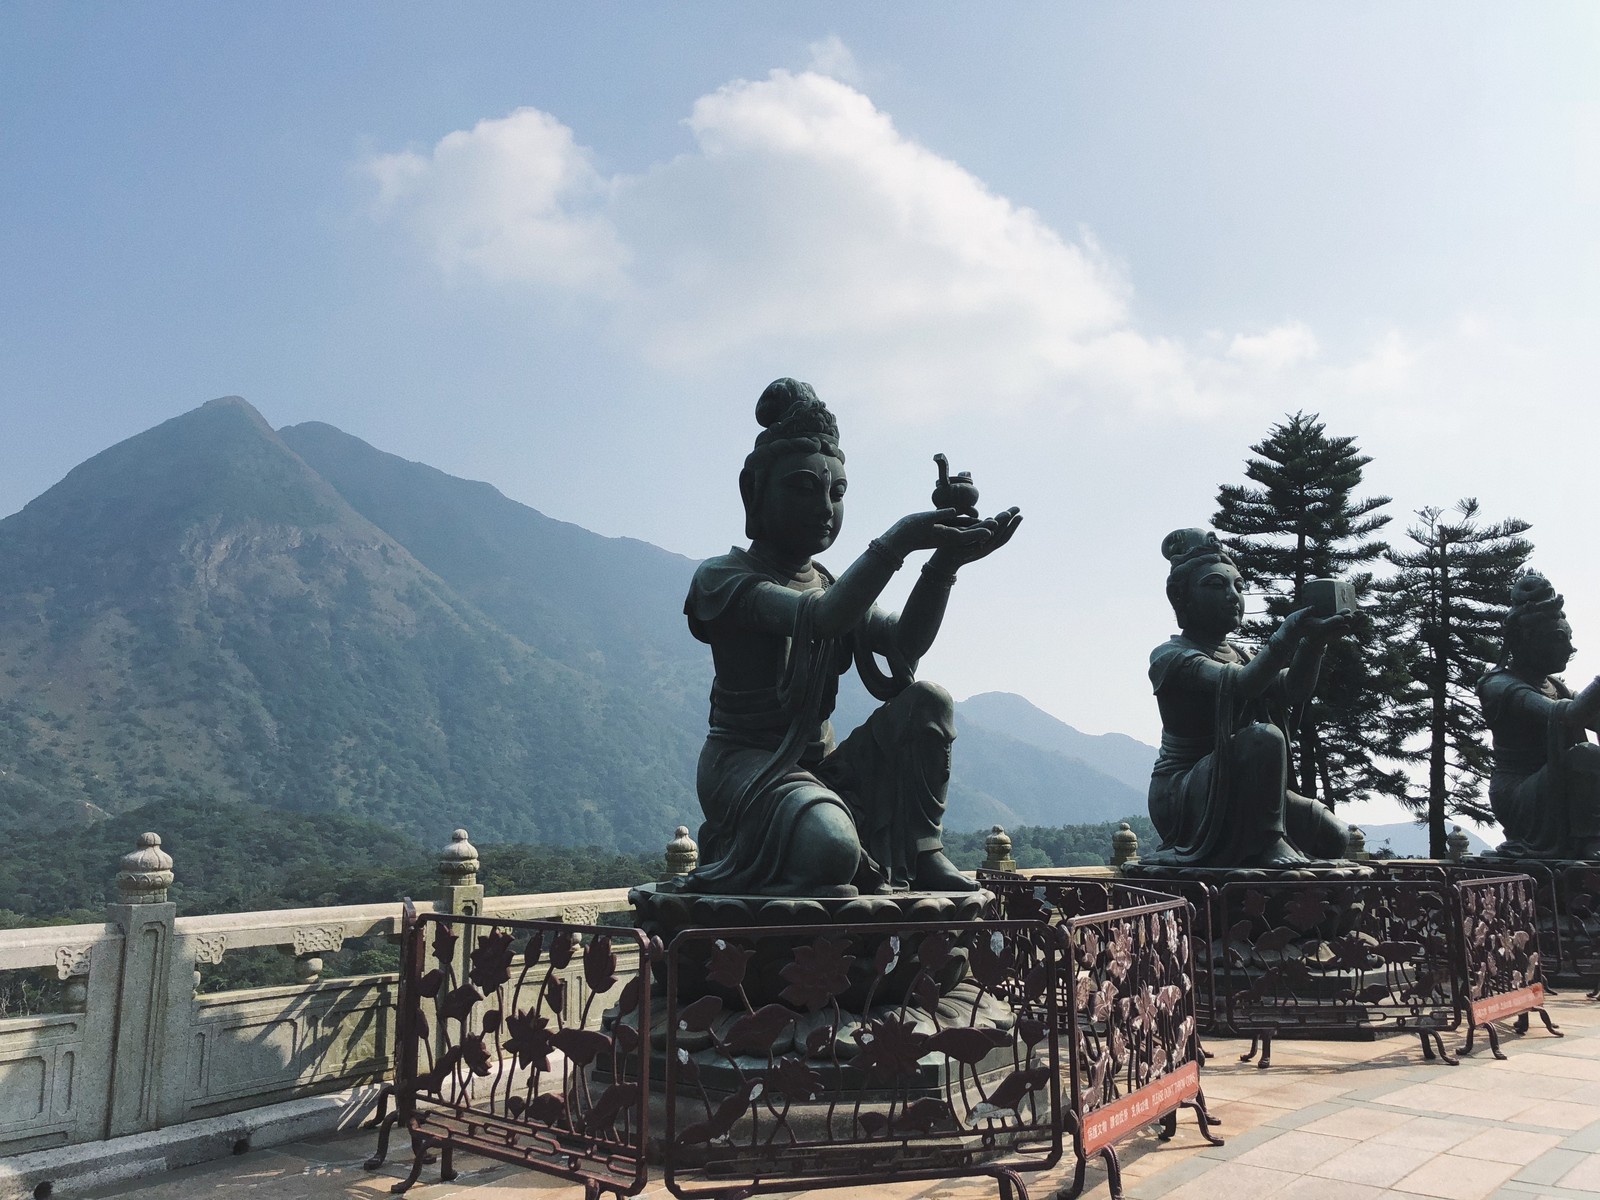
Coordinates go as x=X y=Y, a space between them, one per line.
x=1090 y=252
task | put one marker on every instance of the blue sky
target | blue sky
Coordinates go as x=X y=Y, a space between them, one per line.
x=1089 y=251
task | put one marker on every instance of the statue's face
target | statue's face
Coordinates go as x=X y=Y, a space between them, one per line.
x=802 y=504
x=1549 y=649
x=1216 y=601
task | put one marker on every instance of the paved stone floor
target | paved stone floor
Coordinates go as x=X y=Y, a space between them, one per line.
x=1341 y=1120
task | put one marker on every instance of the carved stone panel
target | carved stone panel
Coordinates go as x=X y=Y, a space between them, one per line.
x=581 y=914
x=72 y=960
x=210 y=949
x=317 y=939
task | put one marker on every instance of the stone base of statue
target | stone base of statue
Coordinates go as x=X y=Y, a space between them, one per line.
x=1147 y=873
x=663 y=911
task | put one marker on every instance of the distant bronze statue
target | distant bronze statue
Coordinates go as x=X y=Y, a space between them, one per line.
x=1219 y=795
x=786 y=812
x=1545 y=788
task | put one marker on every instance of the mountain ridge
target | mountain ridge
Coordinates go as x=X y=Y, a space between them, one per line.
x=214 y=610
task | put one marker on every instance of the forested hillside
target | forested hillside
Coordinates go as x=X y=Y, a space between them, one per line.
x=212 y=613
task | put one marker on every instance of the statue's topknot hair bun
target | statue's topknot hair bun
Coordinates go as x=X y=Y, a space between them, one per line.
x=779 y=397
x=1181 y=545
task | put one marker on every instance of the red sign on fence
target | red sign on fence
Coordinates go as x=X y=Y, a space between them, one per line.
x=1507 y=1004
x=1150 y=1103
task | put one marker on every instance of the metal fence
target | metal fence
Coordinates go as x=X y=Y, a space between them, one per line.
x=498 y=1051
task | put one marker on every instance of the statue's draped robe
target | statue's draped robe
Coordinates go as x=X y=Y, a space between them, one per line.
x=1543 y=806
x=770 y=755
x=1204 y=814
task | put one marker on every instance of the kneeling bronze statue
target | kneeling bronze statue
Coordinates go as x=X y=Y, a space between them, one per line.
x=1219 y=794
x=786 y=812
x=1545 y=787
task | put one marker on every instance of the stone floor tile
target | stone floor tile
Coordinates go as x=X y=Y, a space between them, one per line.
x=1558 y=1114
x=1507 y=1145
x=1359 y=1122
x=1375 y=1165
x=1461 y=1102
x=1296 y=1152
x=1549 y=1167
x=1519 y=1083
x=265 y=1175
x=1455 y=1178
x=1428 y=1133
x=1584 y=1177
x=1309 y=1187
x=1300 y=1093
x=1235 y=1181
x=1560 y=1065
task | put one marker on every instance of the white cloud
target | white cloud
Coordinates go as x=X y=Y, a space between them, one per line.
x=804 y=231
x=832 y=57
x=1283 y=346
x=514 y=199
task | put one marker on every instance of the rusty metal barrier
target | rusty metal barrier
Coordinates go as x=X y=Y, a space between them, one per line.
x=1502 y=972
x=1327 y=957
x=498 y=1050
x=851 y=1055
x=1128 y=1001
x=1135 y=1042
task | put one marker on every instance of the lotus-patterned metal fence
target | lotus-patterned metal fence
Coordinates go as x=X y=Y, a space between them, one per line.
x=1503 y=976
x=498 y=1050
x=890 y=1052
x=1309 y=956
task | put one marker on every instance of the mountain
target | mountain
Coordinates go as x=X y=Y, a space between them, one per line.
x=1015 y=772
x=1410 y=840
x=1113 y=754
x=212 y=612
x=195 y=611
x=609 y=605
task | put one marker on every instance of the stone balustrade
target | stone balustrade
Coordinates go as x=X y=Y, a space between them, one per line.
x=137 y=1049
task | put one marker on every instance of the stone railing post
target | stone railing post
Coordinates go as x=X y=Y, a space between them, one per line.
x=459 y=891
x=146 y=1026
x=997 y=851
x=1457 y=843
x=683 y=855
x=1355 y=844
x=1124 y=845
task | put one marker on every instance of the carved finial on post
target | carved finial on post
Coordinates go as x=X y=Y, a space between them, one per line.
x=458 y=862
x=459 y=891
x=1355 y=844
x=683 y=855
x=1124 y=845
x=1457 y=843
x=145 y=874
x=997 y=851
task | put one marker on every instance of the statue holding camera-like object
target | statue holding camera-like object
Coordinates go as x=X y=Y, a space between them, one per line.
x=1219 y=794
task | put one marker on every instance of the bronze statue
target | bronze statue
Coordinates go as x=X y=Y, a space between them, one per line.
x=1545 y=788
x=1219 y=794
x=787 y=812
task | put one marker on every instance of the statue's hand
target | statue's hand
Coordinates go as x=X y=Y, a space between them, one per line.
x=1301 y=625
x=1000 y=526
x=941 y=529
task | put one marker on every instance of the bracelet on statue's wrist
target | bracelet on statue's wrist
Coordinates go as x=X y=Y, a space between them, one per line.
x=894 y=560
x=934 y=575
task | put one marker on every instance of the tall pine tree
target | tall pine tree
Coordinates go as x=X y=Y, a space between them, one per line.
x=1298 y=520
x=1442 y=612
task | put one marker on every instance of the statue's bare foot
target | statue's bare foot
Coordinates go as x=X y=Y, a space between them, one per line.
x=1279 y=854
x=936 y=873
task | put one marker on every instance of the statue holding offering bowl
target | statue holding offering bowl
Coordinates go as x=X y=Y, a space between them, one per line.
x=788 y=812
